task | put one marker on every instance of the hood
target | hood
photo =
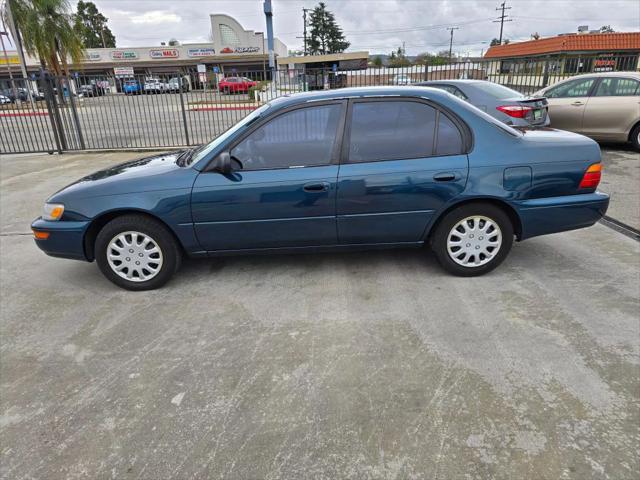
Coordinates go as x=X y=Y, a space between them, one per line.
x=158 y=172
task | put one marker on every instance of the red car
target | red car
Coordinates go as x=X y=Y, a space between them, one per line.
x=236 y=85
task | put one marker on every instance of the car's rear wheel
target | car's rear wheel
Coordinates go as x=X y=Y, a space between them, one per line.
x=473 y=239
x=137 y=252
x=635 y=138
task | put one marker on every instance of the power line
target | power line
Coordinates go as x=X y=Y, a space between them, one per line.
x=502 y=18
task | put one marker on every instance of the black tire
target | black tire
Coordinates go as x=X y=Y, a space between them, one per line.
x=635 y=138
x=161 y=236
x=451 y=219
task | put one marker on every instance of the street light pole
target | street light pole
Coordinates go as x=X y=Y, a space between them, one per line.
x=16 y=37
x=6 y=59
x=268 y=13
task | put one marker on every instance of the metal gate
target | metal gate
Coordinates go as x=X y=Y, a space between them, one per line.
x=157 y=110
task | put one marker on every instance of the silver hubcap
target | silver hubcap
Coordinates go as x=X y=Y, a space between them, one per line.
x=134 y=256
x=474 y=241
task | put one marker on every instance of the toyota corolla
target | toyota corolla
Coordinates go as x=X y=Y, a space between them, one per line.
x=345 y=169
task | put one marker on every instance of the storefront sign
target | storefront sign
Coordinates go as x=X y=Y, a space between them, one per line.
x=10 y=60
x=124 y=54
x=164 y=53
x=240 y=50
x=92 y=56
x=123 y=71
x=604 y=65
x=200 y=52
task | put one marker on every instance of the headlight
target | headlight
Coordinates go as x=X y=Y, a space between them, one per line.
x=53 y=211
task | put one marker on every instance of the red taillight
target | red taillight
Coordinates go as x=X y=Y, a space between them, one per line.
x=516 y=111
x=591 y=177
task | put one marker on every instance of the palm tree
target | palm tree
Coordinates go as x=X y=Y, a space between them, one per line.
x=46 y=29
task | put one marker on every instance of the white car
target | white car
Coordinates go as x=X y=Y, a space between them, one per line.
x=155 y=85
x=4 y=100
x=401 y=80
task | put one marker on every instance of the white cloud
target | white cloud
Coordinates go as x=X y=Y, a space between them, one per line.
x=155 y=17
x=375 y=25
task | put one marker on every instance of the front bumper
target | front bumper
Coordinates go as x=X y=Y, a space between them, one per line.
x=66 y=239
x=541 y=216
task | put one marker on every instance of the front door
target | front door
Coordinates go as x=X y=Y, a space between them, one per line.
x=283 y=190
x=398 y=169
x=567 y=103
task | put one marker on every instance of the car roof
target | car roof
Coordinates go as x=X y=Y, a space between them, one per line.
x=454 y=81
x=359 y=92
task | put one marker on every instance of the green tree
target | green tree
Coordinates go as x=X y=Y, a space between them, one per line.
x=326 y=35
x=606 y=29
x=46 y=30
x=495 y=41
x=377 y=61
x=173 y=43
x=91 y=26
x=398 y=59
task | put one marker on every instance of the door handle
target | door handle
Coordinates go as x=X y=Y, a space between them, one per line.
x=444 y=177
x=316 y=187
x=577 y=104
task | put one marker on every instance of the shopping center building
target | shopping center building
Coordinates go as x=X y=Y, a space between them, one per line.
x=232 y=50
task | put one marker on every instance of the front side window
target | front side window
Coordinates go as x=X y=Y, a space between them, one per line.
x=617 y=87
x=391 y=130
x=574 y=88
x=302 y=137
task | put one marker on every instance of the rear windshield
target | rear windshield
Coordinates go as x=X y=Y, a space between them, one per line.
x=497 y=91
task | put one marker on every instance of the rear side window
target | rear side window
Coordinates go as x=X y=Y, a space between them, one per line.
x=391 y=130
x=617 y=87
x=575 y=88
x=302 y=137
x=449 y=137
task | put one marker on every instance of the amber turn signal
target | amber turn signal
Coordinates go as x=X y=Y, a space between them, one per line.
x=39 y=235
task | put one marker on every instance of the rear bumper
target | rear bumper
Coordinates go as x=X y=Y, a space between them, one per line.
x=66 y=239
x=558 y=214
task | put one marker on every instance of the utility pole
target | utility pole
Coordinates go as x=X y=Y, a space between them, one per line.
x=502 y=18
x=304 y=34
x=451 y=40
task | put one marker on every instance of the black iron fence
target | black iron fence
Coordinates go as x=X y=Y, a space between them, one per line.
x=104 y=111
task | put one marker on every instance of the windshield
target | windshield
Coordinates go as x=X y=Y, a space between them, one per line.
x=497 y=91
x=204 y=151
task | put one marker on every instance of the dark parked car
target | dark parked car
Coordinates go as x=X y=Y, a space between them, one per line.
x=21 y=94
x=503 y=103
x=324 y=171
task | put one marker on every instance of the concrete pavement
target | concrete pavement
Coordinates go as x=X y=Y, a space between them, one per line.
x=369 y=365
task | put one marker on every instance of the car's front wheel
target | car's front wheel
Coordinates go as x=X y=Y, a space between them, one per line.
x=473 y=239
x=137 y=252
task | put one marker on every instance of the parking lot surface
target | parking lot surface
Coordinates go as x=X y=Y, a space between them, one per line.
x=368 y=365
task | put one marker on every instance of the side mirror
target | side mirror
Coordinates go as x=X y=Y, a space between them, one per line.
x=222 y=163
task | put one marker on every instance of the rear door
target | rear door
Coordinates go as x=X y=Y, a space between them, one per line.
x=612 y=109
x=402 y=160
x=567 y=103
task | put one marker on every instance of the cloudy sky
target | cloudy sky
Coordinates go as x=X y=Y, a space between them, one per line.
x=375 y=25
